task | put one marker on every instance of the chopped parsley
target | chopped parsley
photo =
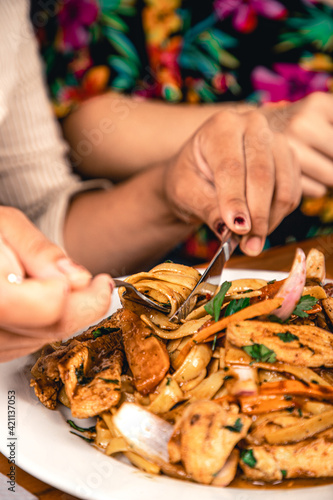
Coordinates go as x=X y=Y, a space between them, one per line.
x=102 y=330
x=300 y=412
x=213 y=307
x=287 y=397
x=259 y=352
x=237 y=427
x=305 y=303
x=81 y=429
x=89 y=440
x=169 y=380
x=248 y=458
x=228 y=377
x=214 y=343
x=110 y=380
x=287 y=337
x=271 y=282
x=313 y=381
x=236 y=305
x=82 y=379
x=284 y=473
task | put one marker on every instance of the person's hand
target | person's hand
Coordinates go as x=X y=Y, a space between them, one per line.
x=308 y=125
x=44 y=295
x=236 y=171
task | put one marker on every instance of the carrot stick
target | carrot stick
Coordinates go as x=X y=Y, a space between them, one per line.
x=264 y=404
x=297 y=388
x=207 y=334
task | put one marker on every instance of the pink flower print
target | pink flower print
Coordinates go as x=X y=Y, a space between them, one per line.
x=74 y=18
x=244 y=12
x=290 y=82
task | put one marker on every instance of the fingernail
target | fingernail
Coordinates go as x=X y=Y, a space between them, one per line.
x=254 y=245
x=240 y=222
x=220 y=227
x=75 y=272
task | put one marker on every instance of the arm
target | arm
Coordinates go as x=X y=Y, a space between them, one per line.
x=115 y=136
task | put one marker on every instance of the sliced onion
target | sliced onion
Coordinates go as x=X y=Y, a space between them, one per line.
x=246 y=383
x=147 y=434
x=292 y=289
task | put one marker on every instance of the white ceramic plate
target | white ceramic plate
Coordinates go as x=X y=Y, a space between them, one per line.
x=45 y=448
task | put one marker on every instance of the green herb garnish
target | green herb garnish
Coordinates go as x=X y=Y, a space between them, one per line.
x=81 y=429
x=287 y=337
x=248 y=458
x=284 y=473
x=168 y=382
x=237 y=427
x=82 y=379
x=271 y=282
x=259 y=352
x=89 y=440
x=287 y=397
x=214 y=343
x=236 y=305
x=300 y=412
x=305 y=303
x=110 y=380
x=213 y=307
x=228 y=377
x=102 y=330
x=313 y=381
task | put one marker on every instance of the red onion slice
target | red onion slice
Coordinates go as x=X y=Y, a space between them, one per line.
x=292 y=289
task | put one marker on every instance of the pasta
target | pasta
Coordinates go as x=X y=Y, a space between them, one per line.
x=248 y=391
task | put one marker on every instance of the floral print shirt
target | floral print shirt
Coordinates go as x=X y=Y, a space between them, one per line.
x=184 y=51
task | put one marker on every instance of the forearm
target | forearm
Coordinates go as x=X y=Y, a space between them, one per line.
x=115 y=136
x=123 y=229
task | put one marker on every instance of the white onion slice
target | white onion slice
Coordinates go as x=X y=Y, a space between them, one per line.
x=146 y=433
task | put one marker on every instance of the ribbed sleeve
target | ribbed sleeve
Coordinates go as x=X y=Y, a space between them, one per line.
x=35 y=175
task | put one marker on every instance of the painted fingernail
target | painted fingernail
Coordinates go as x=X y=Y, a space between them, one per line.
x=240 y=222
x=254 y=245
x=75 y=272
x=220 y=227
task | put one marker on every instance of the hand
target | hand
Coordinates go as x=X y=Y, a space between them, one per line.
x=44 y=295
x=236 y=171
x=308 y=125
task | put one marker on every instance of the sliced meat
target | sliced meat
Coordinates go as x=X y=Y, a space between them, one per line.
x=208 y=434
x=311 y=458
x=101 y=393
x=146 y=354
x=47 y=382
x=311 y=347
x=91 y=374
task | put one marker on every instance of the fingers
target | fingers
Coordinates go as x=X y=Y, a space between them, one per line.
x=312 y=124
x=33 y=303
x=288 y=188
x=81 y=309
x=314 y=165
x=38 y=256
x=223 y=150
x=260 y=182
x=312 y=188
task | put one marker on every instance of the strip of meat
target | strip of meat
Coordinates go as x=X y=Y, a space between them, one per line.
x=311 y=458
x=147 y=356
x=91 y=374
x=301 y=345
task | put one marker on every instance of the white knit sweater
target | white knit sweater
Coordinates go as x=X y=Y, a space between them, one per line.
x=35 y=175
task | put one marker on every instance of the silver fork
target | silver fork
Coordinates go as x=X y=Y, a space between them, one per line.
x=228 y=244
x=134 y=295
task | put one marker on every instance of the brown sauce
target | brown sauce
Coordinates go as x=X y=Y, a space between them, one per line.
x=240 y=482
